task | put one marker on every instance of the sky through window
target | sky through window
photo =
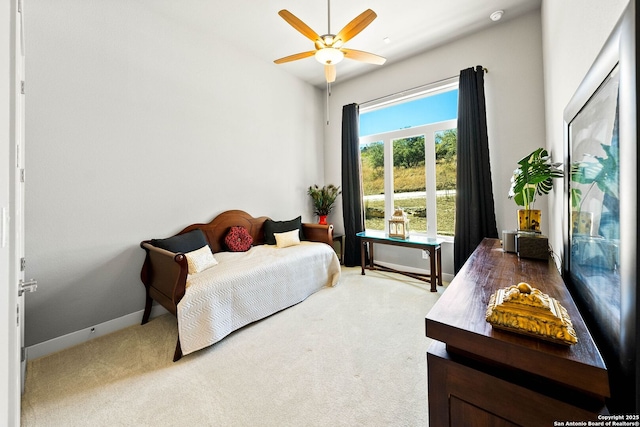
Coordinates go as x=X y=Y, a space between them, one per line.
x=432 y=109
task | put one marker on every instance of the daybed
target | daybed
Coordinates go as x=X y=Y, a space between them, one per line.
x=213 y=293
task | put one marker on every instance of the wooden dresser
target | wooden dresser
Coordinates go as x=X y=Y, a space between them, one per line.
x=482 y=376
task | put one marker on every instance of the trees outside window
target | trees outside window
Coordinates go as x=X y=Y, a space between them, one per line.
x=421 y=178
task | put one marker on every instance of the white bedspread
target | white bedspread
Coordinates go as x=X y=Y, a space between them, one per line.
x=248 y=286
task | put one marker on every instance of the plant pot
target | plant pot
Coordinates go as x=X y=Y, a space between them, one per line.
x=529 y=219
x=582 y=222
x=322 y=220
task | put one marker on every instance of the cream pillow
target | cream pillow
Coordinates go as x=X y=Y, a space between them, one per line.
x=200 y=259
x=289 y=238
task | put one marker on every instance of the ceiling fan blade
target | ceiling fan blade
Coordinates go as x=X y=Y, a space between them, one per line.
x=358 y=24
x=296 y=23
x=330 y=73
x=295 y=57
x=358 y=55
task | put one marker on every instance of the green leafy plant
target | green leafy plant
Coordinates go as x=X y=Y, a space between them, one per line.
x=323 y=198
x=602 y=173
x=533 y=177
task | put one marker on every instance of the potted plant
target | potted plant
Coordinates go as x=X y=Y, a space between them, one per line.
x=533 y=177
x=594 y=171
x=323 y=200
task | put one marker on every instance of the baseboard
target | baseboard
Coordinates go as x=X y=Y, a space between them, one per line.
x=78 y=337
x=445 y=276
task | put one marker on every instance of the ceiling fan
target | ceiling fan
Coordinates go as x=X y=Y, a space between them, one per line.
x=329 y=48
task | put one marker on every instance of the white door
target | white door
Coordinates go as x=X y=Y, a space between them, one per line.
x=18 y=223
x=22 y=285
x=19 y=183
x=8 y=365
x=9 y=410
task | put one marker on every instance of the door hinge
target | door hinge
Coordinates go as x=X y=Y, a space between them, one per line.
x=19 y=6
x=17 y=315
x=23 y=264
x=22 y=87
x=23 y=354
x=21 y=175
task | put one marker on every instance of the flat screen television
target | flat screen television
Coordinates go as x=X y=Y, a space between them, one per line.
x=600 y=205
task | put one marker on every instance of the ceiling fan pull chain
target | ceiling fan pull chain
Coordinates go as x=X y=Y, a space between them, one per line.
x=328 y=97
x=328 y=16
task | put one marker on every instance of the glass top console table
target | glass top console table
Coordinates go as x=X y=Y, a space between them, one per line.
x=430 y=244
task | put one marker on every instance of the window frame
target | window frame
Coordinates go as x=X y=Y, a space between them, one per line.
x=428 y=131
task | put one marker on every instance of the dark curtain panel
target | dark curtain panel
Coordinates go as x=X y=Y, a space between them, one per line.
x=475 y=212
x=352 y=209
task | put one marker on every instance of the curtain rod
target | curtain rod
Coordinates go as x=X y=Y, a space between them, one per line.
x=413 y=89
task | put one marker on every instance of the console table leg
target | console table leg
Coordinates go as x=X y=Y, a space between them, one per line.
x=439 y=265
x=362 y=256
x=432 y=265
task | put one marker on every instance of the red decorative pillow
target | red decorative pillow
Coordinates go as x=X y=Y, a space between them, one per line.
x=238 y=239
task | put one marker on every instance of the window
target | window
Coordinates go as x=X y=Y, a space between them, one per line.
x=408 y=154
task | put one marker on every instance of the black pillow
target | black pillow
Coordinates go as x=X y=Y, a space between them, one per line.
x=271 y=227
x=182 y=243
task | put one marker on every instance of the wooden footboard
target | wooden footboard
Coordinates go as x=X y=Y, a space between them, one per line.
x=164 y=273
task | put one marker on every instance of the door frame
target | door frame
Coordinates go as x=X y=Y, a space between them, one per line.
x=9 y=360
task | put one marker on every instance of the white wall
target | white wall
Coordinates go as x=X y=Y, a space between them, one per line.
x=512 y=52
x=573 y=31
x=137 y=126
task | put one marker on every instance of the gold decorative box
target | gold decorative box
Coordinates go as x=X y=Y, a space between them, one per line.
x=526 y=310
x=399 y=225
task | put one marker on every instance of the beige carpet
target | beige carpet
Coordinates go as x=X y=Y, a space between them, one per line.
x=353 y=355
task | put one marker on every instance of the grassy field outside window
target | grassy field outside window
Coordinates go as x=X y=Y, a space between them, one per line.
x=409 y=183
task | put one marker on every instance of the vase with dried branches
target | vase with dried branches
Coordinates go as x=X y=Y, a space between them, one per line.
x=323 y=199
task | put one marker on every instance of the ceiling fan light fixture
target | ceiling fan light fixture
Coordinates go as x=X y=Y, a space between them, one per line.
x=329 y=56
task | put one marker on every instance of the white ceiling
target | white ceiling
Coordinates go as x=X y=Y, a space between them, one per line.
x=413 y=26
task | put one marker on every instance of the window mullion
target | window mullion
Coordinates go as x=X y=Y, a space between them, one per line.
x=430 y=180
x=388 y=180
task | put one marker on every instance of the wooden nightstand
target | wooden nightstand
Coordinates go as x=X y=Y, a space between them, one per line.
x=340 y=239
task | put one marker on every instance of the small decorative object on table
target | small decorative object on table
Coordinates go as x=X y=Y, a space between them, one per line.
x=532 y=245
x=399 y=225
x=526 y=310
x=323 y=200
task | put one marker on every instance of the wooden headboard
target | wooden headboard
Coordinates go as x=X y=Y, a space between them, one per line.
x=216 y=230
